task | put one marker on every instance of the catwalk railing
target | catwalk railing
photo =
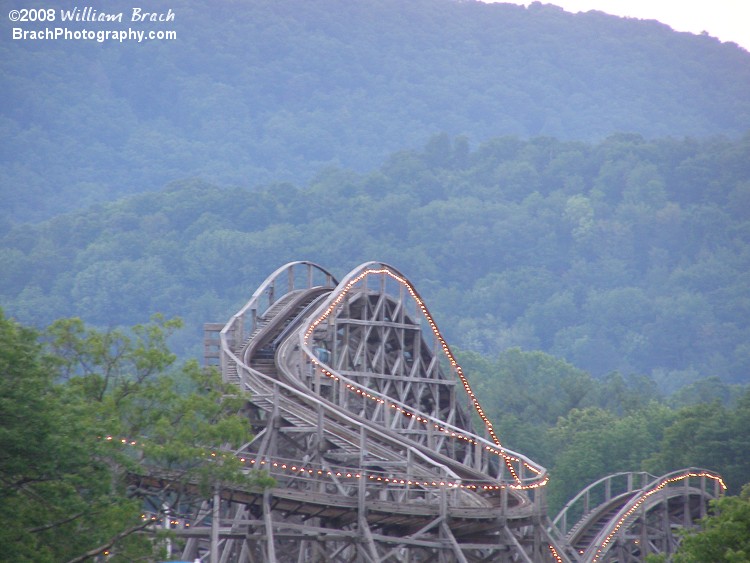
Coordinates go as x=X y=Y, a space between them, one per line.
x=391 y=456
x=502 y=467
x=364 y=418
x=606 y=512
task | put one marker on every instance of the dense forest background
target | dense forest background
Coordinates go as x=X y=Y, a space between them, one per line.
x=264 y=91
x=626 y=255
x=570 y=193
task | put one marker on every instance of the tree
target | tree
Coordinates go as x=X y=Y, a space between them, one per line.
x=29 y=450
x=524 y=393
x=723 y=537
x=707 y=435
x=591 y=443
x=83 y=414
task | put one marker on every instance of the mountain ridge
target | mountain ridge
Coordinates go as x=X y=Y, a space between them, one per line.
x=629 y=255
x=294 y=87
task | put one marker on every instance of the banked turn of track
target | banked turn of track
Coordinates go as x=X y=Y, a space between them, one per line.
x=367 y=423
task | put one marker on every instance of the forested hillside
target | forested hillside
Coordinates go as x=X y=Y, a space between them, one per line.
x=626 y=255
x=583 y=428
x=273 y=90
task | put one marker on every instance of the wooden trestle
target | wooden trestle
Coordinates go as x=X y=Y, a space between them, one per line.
x=379 y=449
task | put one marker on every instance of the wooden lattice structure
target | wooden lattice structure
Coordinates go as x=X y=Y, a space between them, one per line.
x=379 y=447
x=625 y=517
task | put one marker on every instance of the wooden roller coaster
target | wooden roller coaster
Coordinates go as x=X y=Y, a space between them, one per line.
x=381 y=452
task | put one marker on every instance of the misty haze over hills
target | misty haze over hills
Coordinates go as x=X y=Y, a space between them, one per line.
x=276 y=90
x=576 y=184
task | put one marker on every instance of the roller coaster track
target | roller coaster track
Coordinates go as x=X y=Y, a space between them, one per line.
x=378 y=446
x=626 y=516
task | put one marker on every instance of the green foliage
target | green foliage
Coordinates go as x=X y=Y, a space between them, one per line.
x=582 y=428
x=86 y=412
x=724 y=537
x=611 y=258
x=625 y=275
x=708 y=435
x=591 y=443
x=283 y=88
x=521 y=385
x=584 y=263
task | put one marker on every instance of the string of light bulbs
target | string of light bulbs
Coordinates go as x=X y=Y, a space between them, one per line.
x=301 y=470
x=442 y=429
x=446 y=350
x=642 y=499
x=555 y=554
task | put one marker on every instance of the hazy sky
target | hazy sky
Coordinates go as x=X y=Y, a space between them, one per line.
x=728 y=20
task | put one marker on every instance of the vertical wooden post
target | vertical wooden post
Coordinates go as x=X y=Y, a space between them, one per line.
x=215 y=512
x=269 y=526
x=361 y=507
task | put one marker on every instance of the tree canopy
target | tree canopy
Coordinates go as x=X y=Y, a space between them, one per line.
x=82 y=413
x=570 y=193
x=583 y=428
x=276 y=90
x=629 y=255
x=724 y=536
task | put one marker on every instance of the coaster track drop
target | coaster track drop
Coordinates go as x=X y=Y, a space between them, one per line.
x=381 y=450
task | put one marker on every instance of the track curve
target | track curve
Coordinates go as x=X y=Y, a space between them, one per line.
x=627 y=516
x=354 y=387
x=382 y=452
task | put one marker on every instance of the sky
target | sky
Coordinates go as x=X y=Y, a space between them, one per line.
x=727 y=20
